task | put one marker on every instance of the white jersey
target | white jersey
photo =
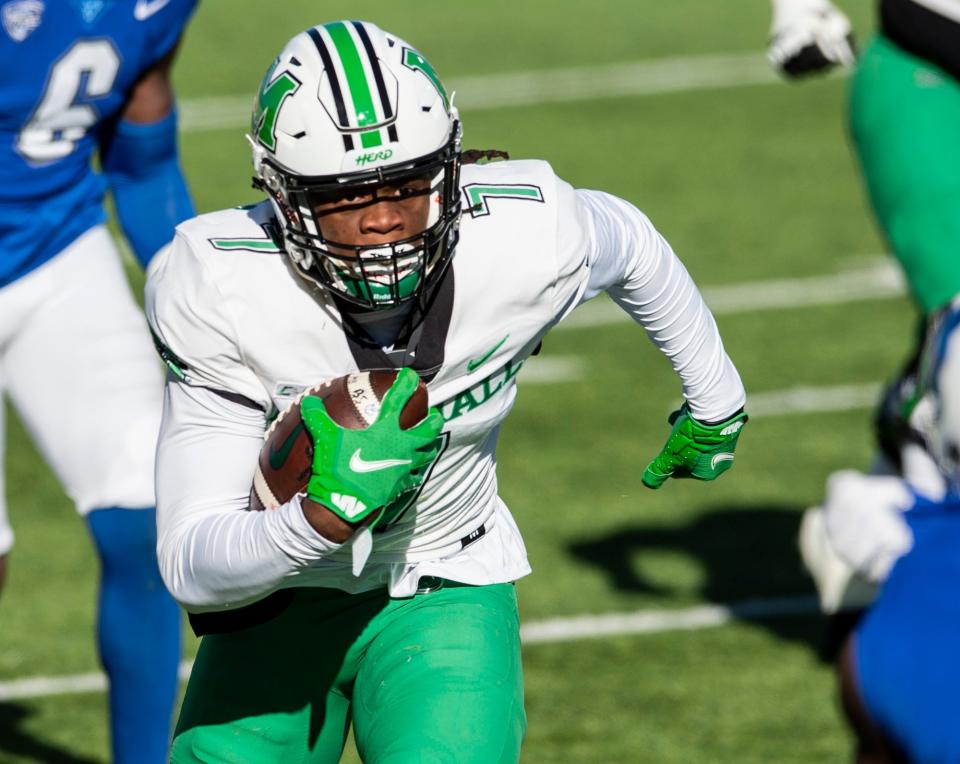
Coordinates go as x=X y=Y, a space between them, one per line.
x=244 y=335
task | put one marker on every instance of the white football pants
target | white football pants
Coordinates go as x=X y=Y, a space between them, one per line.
x=77 y=362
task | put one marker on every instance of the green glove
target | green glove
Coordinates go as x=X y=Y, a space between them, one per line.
x=359 y=472
x=694 y=449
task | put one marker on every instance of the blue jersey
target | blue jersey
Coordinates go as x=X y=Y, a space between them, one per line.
x=908 y=664
x=66 y=68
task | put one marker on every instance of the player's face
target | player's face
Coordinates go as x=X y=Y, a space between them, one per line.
x=376 y=216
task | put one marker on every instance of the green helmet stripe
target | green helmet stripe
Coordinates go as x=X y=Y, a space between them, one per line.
x=357 y=83
x=371 y=139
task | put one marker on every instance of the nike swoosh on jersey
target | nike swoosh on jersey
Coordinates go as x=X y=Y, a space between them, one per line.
x=357 y=464
x=278 y=456
x=726 y=456
x=473 y=365
x=144 y=9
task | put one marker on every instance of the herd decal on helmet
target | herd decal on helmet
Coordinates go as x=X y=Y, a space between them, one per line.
x=347 y=108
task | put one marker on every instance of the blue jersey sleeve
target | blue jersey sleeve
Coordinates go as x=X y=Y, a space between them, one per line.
x=165 y=22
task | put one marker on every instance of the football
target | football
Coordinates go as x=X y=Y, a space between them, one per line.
x=352 y=401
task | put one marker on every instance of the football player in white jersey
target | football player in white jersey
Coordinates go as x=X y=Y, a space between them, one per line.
x=373 y=250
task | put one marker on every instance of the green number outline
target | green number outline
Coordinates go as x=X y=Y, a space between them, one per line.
x=479 y=194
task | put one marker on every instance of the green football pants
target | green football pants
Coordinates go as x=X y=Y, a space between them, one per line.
x=905 y=121
x=432 y=678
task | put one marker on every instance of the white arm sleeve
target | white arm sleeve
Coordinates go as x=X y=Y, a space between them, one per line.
x=213 y=552
x=635 y=265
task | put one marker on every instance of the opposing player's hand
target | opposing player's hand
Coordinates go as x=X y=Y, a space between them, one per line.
x=809 y=36
x=359 y=472
x=864 y=520
x=694 y=449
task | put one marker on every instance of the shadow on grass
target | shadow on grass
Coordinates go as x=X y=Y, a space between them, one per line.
x=16 y=741
x=748 y=554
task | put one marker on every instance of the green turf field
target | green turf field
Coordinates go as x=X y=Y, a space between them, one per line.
x=750 y=182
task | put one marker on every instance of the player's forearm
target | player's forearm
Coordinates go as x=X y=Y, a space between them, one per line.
x=672 y=312
x=213 y=552
x=142 y=166
x=642 y=274
x=231 y=557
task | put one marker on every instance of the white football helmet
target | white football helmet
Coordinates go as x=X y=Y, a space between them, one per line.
x=348 y=107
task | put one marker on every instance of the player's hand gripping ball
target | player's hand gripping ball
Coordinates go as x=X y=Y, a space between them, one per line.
x=357 y=445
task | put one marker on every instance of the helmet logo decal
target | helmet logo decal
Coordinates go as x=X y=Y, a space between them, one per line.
x=271 y=98
x=413 y=60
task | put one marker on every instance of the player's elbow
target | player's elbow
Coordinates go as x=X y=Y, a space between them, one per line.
x=206 y=565
x=175 y=570
x=189 y=583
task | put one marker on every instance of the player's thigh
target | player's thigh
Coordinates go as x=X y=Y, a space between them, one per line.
x=84 y=377
x=249 y=706
x=442 y=682
x=905 y=122
x=277 y=691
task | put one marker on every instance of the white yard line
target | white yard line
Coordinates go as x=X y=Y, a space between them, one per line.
x=813 y=400
x=789 y=402
x=655 y=621
x=875 y=282
x=545 y=371
x=533 y=88
x=533 y=633
x=882 y=281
